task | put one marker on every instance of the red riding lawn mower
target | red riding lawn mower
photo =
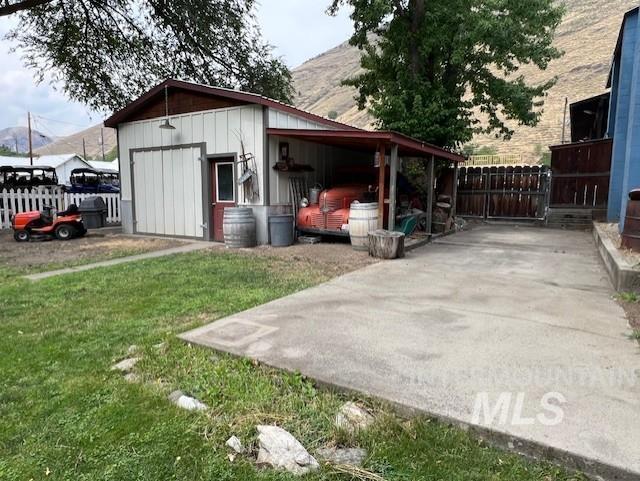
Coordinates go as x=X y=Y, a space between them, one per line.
x=45 y=224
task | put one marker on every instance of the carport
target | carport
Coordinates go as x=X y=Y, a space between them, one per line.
x=379 y=143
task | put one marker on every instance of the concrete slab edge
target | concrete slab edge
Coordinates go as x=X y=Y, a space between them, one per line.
x=622 y=274
x=532 y=450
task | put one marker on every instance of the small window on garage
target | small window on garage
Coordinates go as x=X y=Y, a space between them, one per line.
x=224 y=181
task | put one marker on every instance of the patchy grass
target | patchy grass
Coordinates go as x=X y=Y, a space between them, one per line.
x=64 y=415
x=630 y=302
x=629 y=297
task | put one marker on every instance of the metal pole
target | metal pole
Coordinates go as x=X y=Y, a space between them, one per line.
x=564 y=118
x=30 y=142
x=84 y=149
x=102 y=142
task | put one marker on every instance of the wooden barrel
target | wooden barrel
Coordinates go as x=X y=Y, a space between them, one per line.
x=239 y=227
x=631 y=234
x=363 y=218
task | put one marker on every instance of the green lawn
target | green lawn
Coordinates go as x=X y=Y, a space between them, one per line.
x=65 y=416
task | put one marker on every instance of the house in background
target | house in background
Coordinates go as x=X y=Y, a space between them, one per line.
x=596 y=171
x=63 y=164
x=624 y=117
x=105 y=166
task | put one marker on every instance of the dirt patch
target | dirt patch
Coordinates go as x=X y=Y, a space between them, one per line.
x=329 y=259
x=632 y=310
x=94 y=247
x=612 y=233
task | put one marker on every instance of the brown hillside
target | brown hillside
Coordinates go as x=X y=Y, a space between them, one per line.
x=587 y=35
x=72 y=144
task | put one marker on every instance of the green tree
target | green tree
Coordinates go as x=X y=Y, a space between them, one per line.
x=443 y=70
x=108 y=52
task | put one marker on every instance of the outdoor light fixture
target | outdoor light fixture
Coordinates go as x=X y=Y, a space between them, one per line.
x=166 y=125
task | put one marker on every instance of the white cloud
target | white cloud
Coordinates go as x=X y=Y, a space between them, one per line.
x=298 y=29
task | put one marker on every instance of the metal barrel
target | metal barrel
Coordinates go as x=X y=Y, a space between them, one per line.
x=631 y=234
x=363 y=218
x=239 y=227
x=281 y=230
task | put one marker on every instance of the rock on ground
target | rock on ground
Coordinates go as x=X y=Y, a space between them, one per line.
x=352 y=417
x=281 y=450
x=132 y=377
x=126 y=365
x=183 y=401
x=350 y=456
x=234 y=443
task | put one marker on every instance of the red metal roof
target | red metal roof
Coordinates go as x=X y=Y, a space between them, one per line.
x=359 y=139
x=121 y=115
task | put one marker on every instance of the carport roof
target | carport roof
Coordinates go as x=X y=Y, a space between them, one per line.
x=371 y=140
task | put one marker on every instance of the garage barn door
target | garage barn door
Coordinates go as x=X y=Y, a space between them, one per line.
x=168 y=192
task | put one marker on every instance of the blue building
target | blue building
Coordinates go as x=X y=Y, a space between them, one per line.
x=624 y=117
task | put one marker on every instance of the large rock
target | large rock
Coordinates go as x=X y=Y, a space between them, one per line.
x=126 y=365
x=183 y=401
x=350 y=456
x=281 y=450
x=352 y=417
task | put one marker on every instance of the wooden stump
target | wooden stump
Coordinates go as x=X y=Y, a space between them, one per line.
x=384 y=244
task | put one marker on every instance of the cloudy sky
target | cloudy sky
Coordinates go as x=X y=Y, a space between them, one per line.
x=299 y=29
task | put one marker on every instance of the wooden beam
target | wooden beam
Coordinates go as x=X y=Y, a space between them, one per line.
x=430 y=181
x=393 y=177
x=454 y=196
x=381 y=178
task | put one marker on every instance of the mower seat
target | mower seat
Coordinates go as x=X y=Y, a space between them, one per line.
x=72 y=210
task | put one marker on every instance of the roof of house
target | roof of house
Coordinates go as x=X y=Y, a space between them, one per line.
x=123 y=114
x=54 y=161
x=105 y=166
x=618 y=49
x=370 y=140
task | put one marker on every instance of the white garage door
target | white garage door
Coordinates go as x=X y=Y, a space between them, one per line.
x=168 y=192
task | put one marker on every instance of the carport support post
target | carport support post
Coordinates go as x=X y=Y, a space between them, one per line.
x=429 y=206
x=381 y=174
x=454 y=195
x=393 y=176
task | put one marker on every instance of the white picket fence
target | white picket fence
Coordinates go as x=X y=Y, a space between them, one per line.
x=14 y=201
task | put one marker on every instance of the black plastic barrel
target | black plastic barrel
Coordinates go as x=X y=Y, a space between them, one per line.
x=281 y=230
x=94 y=212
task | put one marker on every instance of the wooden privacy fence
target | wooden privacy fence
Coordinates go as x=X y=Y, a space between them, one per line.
x=514 y=192
x=14 y=201
x=581 y=173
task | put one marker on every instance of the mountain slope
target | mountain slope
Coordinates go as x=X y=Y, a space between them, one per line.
x=587 y=35
x=11 y=136
x=72 y=144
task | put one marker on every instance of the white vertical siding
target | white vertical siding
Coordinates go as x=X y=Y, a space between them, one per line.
x=221 y=130
x=283 y=120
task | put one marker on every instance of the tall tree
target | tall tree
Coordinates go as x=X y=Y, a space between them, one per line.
x=106 y=52
x=443 y=70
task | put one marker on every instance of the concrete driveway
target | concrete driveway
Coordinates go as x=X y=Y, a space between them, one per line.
x=510 y=330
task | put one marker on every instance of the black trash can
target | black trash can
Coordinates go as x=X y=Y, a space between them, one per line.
x=94 y=212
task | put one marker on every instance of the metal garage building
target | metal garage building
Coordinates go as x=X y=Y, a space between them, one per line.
x=176 y=179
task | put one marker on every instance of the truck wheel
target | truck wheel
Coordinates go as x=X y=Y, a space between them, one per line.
x=22 y=236
x=65 y=232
